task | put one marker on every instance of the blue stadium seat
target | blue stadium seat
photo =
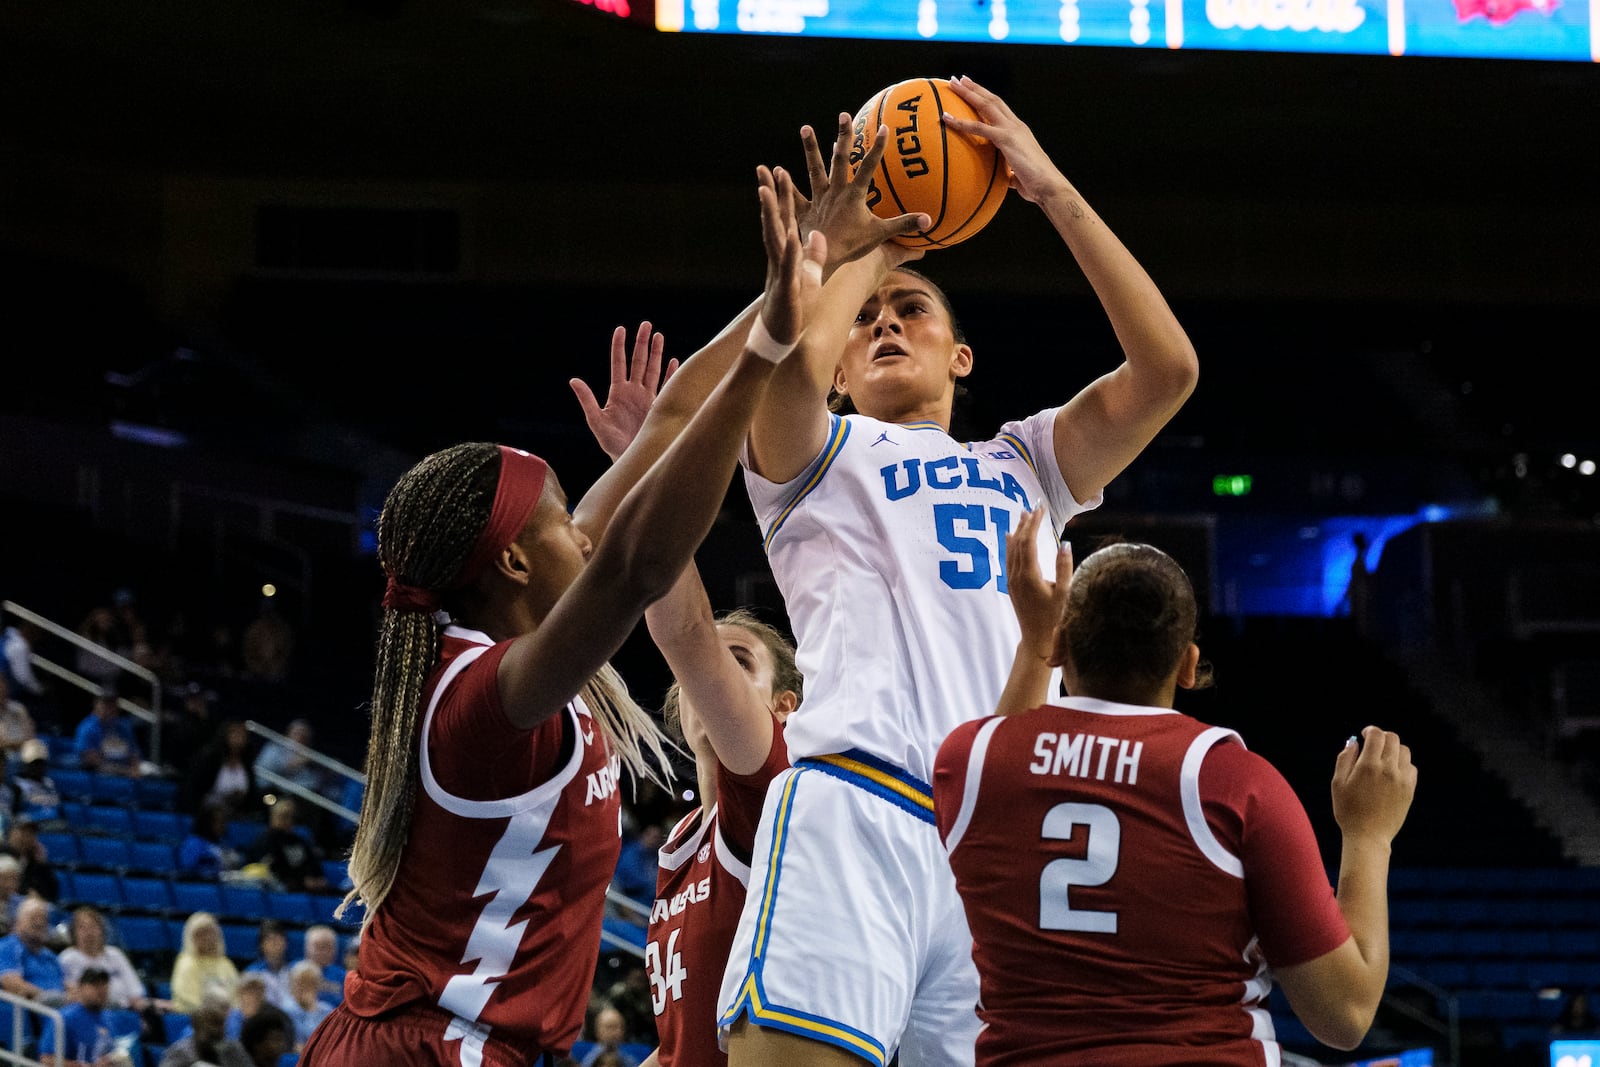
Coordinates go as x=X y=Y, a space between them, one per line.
x=1478 y=944
x=289 y=1059
x=190 y=897
x=73 y=783
x=1470 y=911
x=113 y=819
x=66 y=888
x=629 y=933
x=328 y=903
x=337 y=872
x=1504 y=974
x=291 y=908
x=61 y=846
x=102 y=890
x=143 y=934
x=244 y=900
x=151 y=792
x=147 y=893
x=110 y=789
x=176 y=1024
x=168 y=826
x=105 y=853
x=1451 y=974
x=242 y=833
x=239 y=942
x=155 y=857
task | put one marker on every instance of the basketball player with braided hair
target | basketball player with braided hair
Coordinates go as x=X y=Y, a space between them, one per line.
x=1134 y=879
x=491 y=821
x=736 y=683
x=886 y=537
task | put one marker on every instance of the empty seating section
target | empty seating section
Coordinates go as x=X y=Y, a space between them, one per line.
x=1507 y=944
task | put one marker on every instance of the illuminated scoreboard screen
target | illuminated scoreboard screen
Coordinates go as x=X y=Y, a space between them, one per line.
x=1496 y=29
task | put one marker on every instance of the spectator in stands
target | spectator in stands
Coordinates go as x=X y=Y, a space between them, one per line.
x=267 y=1036
x=272 y=962
x=89 y=952
x=185 y=731
x=86 y=1039
x=10 y=897
x=322 y=949
x=35 y=792
x=17 y=642
x=202 y=967
x=101 y=627
x=250 y=998
x=223 y=772
x=307 y=1008
x=267 y=644
x=16 y=725
x=1576 y=1017
x=638 y=864
x=207 y=1042
x=630 y=995
x=287 y=762
x=204 y=853
x=287 y=850
x=105 y=740
x=38 y=877
x=610 y=1030
x=28 y=967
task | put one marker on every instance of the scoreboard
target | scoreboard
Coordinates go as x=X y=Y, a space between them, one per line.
x=1496 y=29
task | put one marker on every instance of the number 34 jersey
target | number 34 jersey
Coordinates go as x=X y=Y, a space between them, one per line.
x=889 y=550
x=1128 y=874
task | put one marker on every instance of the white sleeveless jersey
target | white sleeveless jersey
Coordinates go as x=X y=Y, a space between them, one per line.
x=889 y=550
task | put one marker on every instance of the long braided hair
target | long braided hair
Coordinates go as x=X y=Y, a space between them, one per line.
x=429 y=525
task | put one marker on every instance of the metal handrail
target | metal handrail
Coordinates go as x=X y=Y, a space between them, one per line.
x=1449 y=1026
x=14 y=1054
x=151 y=715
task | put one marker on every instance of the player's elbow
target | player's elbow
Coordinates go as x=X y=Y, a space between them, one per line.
x=1344 y=1028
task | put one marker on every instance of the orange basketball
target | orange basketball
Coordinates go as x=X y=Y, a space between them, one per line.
x=959 y=181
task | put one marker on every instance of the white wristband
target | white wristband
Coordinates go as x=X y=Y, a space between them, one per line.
x=761 y=343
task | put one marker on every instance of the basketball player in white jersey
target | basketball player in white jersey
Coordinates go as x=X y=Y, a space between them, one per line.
x=887 y=538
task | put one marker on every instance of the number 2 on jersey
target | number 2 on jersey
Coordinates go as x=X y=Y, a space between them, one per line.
x=947 y=519
x=1098 y=864
x=667 y=984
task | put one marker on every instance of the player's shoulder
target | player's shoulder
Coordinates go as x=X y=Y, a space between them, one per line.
x=957 y=745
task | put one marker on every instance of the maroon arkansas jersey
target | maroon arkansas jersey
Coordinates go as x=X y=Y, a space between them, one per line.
x=494 y=916
x=1128 y=874
x=700 y=890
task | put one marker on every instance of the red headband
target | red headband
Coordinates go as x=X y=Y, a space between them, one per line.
x=521 y=481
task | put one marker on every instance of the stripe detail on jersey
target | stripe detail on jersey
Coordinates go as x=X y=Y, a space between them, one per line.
x=925 y=425
x=1022 y=450
x=879 y=778
x=676 y=853
x=969 y=788
x=838 y=432
x=773 y=1017
x=1189 y=786
x=729 y=859
x=752 y=997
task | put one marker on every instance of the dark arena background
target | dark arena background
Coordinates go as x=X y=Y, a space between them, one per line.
x=256 y=259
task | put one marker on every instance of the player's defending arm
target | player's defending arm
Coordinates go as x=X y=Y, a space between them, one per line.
x=1039 y=605
x=791 y=424
x=837 y=209
x=1336 y=995
x=1102 y=429
x=738 y=724
x=661 y=521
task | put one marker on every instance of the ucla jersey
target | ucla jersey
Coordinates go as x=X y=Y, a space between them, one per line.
x=889 y=550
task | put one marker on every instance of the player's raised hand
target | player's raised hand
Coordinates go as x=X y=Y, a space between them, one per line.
x=1373 y=783
x=1032 y=171
x=633 y=389
x=1037 y=601
x=838 y=202
x=794 y=269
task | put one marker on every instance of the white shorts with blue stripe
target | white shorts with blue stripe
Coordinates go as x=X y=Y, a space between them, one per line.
x=853 y=933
